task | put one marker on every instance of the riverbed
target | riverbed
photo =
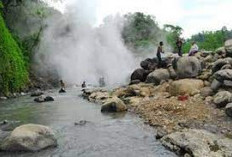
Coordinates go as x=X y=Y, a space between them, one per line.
x=98 y=135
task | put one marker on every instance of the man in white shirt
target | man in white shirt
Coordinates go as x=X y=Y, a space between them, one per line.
x=194 y=49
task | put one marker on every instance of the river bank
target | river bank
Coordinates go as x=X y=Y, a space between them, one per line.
x=188 y=101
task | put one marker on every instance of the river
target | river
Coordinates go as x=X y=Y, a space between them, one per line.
x=103 y=135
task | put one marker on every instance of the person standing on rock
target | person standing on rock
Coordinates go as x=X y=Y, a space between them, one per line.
x=158 y=54
x=179 y=44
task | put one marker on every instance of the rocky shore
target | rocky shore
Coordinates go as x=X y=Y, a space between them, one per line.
x=188 y=101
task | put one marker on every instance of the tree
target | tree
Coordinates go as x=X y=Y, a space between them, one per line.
x=140 y=30
x=173 y=33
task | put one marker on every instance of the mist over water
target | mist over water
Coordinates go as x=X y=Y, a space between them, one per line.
x=77 y=51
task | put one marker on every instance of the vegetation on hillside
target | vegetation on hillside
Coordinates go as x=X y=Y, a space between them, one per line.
x=141 y=31
x=13 y=72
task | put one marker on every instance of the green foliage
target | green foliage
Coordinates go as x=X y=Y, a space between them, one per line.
x=210 y=40
x=173 y=33
x=13 y=73
x=186 y=47
x=141 y=30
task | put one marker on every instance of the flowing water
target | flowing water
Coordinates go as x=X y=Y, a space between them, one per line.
x=103 y=135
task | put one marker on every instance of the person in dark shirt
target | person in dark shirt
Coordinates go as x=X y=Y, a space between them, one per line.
x=83 y=85
x=179 y=44
x=159 y=51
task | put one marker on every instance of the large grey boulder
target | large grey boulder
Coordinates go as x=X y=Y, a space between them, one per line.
x=114 y=105
x=222 y=98
x=157 y=76
x=188 y=67
x=29 y=137
x=198 y=143
x=228 y=47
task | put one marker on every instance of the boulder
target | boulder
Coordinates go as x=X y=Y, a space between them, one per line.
x=206 y=91
x=215 y=85
x=149 y=64
x=43 y=98
x=36 y=93
x=228 y=47
x=228 y=109
x=48 y=98
x=220 y=50
x=222 y=98
x=134 y=82
x=199 y=143
x=113 y=105
x=185 y=87
x=62 y=90
x=188 y=67
x=139 y=74
x=157 y=76
x=40 y=99
x=29 y=137
x=222 y=75
x=98 y=96
x=218 y=65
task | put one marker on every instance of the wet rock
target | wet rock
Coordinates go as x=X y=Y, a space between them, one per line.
x=36 y=93
x=198 y=143
x=228 y=47
x=29 y=137
x=206 y=91
x=157 y=76
x=114 y=105
x=222 y=98
x=185 y=86
x=62 y=90
x=43 y=98
x=188 y=67
x=40 y=99
x=228 y=109
x=3 y=98
x=139 y=74
x=49 y=98
x=81 y=122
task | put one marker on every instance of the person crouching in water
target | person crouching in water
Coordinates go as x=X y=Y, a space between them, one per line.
x=158 y=54
x=194 y=49
x=83 y=85
x=62 y=85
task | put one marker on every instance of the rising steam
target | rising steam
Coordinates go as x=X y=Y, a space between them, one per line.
x=76 y=51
